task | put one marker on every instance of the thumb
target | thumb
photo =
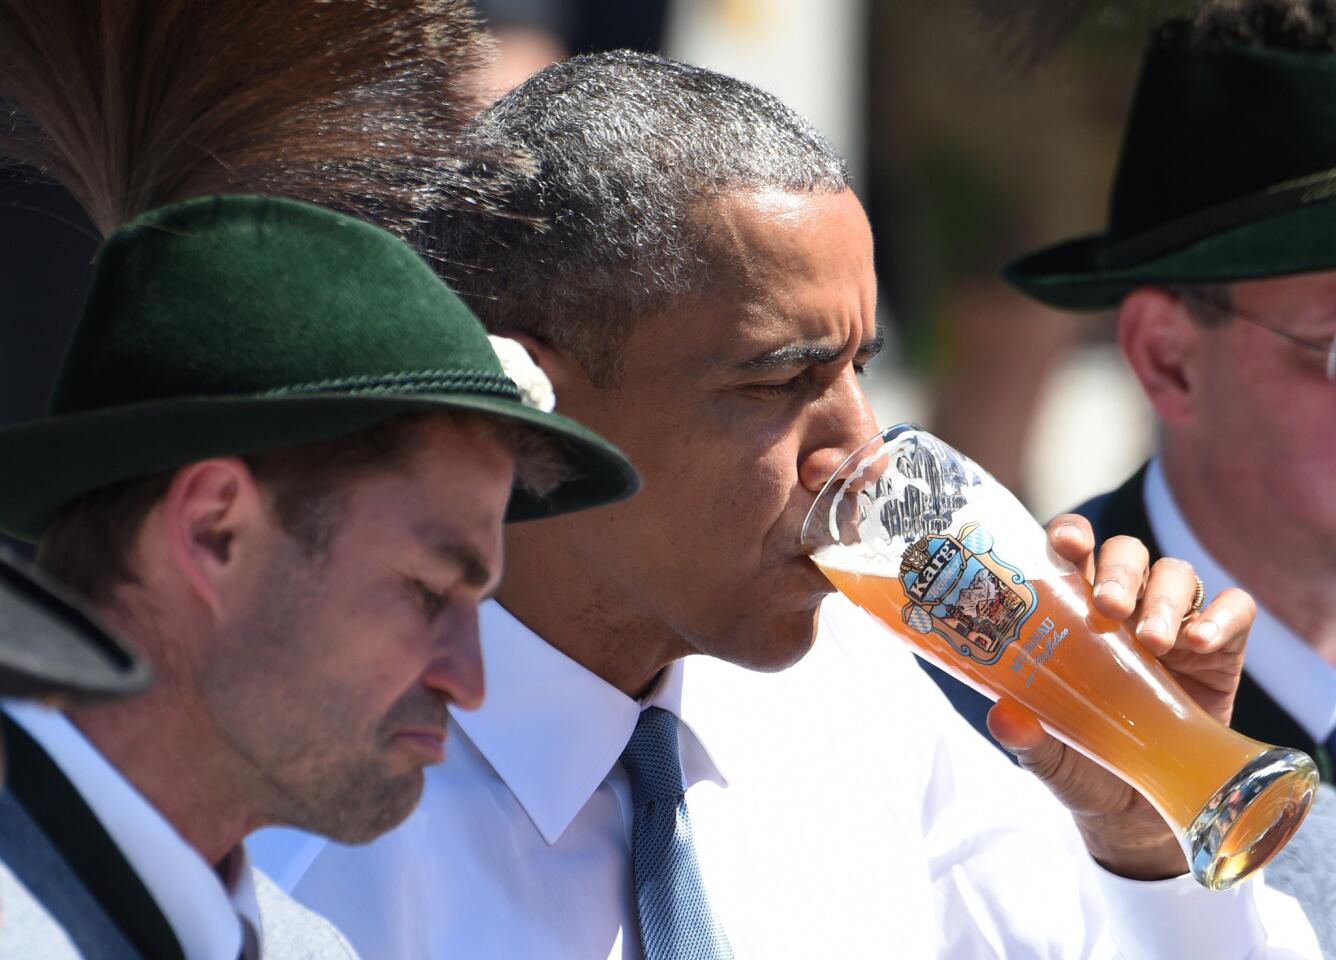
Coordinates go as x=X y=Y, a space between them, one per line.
x=1019 y=730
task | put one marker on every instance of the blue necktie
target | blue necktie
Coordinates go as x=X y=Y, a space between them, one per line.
x=675 y=918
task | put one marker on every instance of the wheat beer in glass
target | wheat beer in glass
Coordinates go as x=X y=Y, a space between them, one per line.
x=922 y=538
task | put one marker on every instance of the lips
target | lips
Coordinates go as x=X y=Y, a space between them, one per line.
x=813 y=575
x=428 y=742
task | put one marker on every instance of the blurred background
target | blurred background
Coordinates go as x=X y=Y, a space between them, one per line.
x=968 y=148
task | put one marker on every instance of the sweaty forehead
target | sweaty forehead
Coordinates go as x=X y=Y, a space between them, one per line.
x=760 y=239
x=783 y=268
x=793 y=266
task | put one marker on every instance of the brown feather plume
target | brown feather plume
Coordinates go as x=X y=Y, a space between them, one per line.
x=131 y=104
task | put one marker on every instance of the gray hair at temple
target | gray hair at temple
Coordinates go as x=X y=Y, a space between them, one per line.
x=621 y=149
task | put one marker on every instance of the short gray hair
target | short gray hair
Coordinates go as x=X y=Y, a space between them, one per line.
x=613 y=152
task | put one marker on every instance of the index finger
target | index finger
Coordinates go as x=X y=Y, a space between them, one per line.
x=1121 y=573
x=1072 y=538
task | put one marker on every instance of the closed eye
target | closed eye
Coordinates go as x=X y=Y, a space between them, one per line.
x=786 y=388
x=796 y=384
x=428 y=600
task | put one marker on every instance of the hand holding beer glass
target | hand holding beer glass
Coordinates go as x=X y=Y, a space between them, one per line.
x=926 y=541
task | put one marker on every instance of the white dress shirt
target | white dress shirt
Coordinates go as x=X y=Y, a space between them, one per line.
x=841 y=809
x=205 y=916
x=1286 y=667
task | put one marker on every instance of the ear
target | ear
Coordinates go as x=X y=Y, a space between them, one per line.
x=1162 y=344
x=561 y=368
x=212 y=516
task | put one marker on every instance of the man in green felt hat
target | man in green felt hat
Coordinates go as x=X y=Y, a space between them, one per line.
x=278 y=460
x=1220 y=261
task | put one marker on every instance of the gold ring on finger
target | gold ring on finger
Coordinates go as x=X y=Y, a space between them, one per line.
x=1198 y=598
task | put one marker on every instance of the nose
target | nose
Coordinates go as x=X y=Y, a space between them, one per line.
x=456 y=668
x=841 y=421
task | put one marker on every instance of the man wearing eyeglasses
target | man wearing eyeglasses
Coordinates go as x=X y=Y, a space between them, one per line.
x=1219 y=261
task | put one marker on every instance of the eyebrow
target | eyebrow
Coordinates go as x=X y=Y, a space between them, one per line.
x=809 y=354
x=475 y=571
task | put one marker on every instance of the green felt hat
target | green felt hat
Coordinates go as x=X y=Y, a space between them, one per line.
x=1227 y=172
x=238 y=324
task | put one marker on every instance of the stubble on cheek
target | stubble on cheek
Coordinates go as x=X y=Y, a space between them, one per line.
x=364 y=803
x=306 y=752
x=352 y=787
x=337 y=778
x=301 y=706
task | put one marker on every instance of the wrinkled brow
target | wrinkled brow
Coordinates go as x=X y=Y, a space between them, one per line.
x=474 y=569
x=813 y=354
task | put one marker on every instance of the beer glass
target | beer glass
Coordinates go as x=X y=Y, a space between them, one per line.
x=927 y=542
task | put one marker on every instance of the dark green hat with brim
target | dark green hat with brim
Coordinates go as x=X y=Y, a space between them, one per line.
x=53 y=649
x=239 y=324
x=1227 y=172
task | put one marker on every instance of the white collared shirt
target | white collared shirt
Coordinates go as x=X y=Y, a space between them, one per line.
x=204 y=915
x=841 y=809
x=1286 y=667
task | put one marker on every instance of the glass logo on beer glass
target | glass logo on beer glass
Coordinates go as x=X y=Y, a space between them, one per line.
x=965 y=593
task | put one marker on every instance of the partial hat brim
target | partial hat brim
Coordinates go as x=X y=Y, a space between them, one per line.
x=50 y=647
x=52 y=461
x=1074 y=275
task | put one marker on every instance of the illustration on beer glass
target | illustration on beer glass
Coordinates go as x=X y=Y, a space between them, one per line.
x=926 y=541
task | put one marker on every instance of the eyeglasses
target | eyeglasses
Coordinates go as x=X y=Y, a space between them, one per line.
x=1322 y=347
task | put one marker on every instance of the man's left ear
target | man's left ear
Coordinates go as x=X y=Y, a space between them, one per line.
x=1160 y=340
x=559 y=366
x=209 y=517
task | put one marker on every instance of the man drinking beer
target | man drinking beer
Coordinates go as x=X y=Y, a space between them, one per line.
x=692 y=270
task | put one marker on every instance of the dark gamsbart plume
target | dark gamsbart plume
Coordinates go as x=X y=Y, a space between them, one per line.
x=132 y=104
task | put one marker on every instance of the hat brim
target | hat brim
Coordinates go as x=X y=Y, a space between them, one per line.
x=52 y=461
x=50 y=647
x=1070 y=275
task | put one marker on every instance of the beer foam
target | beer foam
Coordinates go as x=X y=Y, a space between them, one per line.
x=945 y=494
x=859 y=558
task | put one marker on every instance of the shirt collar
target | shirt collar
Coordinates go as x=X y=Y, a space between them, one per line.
x=201 y=911
x=1283 y=665
x=552 y=730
